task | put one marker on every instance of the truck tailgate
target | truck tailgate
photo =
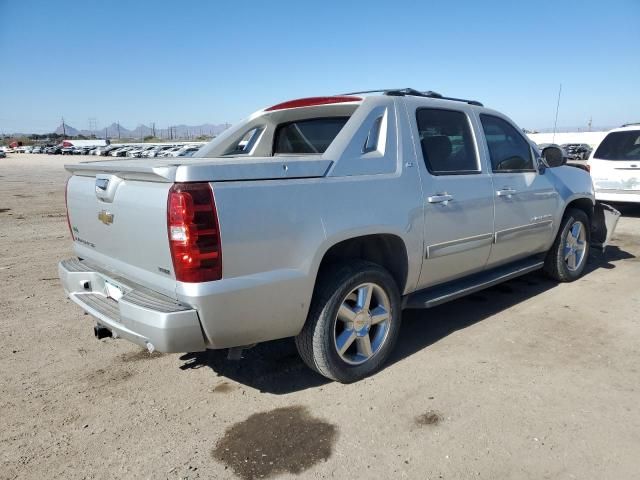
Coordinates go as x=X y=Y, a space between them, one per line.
x=121 y=224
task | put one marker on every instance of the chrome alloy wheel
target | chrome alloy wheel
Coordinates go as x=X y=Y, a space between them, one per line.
x=362 y=324
x=575 y=246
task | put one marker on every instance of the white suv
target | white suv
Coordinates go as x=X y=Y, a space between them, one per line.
x=615 y=165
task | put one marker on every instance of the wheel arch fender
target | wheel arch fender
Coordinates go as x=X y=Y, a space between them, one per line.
x=385 y=247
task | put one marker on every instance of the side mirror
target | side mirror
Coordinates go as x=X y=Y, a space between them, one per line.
x=553 y=156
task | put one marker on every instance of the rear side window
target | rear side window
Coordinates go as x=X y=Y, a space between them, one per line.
x=508 y=149
x=307 y=136
x=620 y=146
x=246 y=143
x=446 y=141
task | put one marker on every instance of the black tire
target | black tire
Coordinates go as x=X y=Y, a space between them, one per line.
x=315 y=343
x=555 y=265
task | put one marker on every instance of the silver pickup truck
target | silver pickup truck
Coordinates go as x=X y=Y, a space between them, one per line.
x=322 y=218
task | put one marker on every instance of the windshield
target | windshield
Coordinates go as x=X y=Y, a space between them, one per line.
x=620 y=146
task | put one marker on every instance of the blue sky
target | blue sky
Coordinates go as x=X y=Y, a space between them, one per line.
x=209 y=61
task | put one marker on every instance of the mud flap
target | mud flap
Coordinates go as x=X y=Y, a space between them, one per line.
x=604 y=221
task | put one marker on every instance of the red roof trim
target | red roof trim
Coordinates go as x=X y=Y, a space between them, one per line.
x=313 y=101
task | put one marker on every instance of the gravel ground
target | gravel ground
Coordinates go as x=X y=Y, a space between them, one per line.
x=529 y=379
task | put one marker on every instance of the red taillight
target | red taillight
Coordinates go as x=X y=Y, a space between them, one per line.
x=66 y=206
x=194 y=234
x=313 y=101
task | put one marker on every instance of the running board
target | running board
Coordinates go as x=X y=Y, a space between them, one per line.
x=433 y=296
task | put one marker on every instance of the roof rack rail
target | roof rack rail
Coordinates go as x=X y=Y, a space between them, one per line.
x=633 y=124
x=401 y=92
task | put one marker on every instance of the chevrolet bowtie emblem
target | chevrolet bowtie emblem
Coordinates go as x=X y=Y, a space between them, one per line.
x=105 y=217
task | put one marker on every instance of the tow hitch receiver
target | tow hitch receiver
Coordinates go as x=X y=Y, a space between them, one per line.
x=101 y=332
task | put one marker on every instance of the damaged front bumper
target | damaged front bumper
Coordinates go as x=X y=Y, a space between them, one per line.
x=603 y=224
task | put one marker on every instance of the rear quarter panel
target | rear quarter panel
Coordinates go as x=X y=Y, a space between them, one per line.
x=274 y=236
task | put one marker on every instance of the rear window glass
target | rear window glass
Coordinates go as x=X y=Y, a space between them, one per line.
x=620 y=146
x=307 y=136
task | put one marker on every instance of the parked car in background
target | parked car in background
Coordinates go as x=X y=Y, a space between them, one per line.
x=133 y=151
x=188 y=152
x=3 y=154
x=36 y=149
x=120 y=152
x=169 y=152
x=138 y=153
x=106 y=151
x=615 y=165
x=183 y=150
x=55 y=150
x=322 y=218
x=577 y=151
x=158 y=151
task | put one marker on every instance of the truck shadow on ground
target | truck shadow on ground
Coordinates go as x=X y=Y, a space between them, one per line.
x=275 y=367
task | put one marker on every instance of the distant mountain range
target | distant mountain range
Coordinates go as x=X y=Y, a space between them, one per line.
x=115 y=130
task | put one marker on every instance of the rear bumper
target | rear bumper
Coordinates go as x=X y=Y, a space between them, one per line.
x=622 y=196
x=140 y=315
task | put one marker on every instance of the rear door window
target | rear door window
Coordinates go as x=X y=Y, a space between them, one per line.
x=620 y=146
x=312 y=135
x=447 y=143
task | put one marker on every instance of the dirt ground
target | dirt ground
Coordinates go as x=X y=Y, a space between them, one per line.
x=526 y=380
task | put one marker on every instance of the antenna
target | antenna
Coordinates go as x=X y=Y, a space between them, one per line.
x=555 y=124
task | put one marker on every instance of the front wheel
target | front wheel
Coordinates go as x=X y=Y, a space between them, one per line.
x=567 y=258
x=353 y=322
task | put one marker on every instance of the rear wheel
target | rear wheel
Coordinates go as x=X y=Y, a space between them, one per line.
x=567 y=258
x=353 y=322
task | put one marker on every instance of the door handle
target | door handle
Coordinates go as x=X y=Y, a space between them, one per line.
x=440 y=198
x=506 y=192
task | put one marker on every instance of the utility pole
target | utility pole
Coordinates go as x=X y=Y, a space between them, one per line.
x=555 y=124
x=153 y=128
x=93 y=126
x=118 y=124
x=590 y=119
x=64 y=129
